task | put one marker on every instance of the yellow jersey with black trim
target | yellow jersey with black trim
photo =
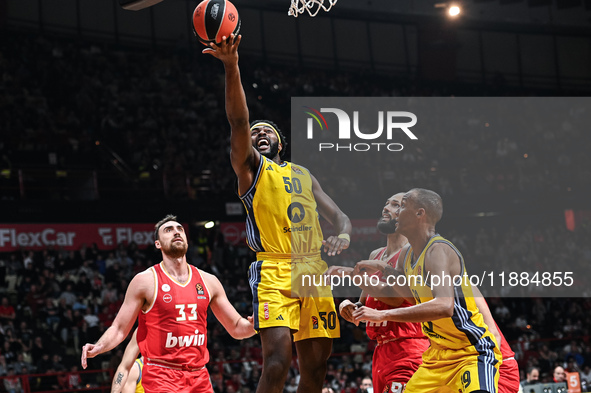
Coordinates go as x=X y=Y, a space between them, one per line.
x=282 y=215
x=138 y=384
x=466 y=326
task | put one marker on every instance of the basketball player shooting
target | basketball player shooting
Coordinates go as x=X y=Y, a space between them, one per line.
x=268 y=187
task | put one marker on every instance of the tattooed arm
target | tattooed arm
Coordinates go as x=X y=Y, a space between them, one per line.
x=123 y=372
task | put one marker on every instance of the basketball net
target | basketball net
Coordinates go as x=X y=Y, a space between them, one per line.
x=312 y=6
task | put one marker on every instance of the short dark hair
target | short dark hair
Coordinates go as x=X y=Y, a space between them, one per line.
x=281 y=135
x=532 y=368
x=166 y=219
x=430 y=201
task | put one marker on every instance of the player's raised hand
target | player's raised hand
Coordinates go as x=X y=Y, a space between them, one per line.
x=334 y=245
x=346 y=309
x=89 y=351
x=227 y=50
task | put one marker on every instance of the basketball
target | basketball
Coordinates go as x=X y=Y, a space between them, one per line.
x=214 y=19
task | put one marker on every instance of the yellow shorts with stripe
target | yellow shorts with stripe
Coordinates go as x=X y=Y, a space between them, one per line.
x=456 y=370
x=285 y=294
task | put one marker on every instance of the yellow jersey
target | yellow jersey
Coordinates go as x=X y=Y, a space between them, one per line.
x=138 y=384
x=466 y=327
x=282 y=215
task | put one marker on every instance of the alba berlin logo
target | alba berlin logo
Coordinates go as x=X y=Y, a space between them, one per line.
x=392 y=122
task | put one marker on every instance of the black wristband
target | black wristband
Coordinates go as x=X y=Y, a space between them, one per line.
x=358 y=304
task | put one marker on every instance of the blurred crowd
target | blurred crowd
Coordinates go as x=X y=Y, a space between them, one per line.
x=156 y=116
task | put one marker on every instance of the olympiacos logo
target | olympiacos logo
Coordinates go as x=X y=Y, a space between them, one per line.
x=389 y=122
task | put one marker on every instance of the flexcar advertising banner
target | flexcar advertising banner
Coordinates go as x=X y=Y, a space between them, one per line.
x=72 y=236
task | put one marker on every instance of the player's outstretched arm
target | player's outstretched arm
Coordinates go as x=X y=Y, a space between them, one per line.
x=135 y=297
x=238 y=327
x=382 y=291
x=440 y=260
x=123 y=371
x=243 y=156
x=339 y=220
x=392 y=295
x=395 y=290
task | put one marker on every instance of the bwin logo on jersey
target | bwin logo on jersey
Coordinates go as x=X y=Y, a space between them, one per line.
x=185 y=341
x=393 y=120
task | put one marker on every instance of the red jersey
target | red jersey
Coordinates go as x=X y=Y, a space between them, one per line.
x=174 y=330
x=509 y=369
x=506 y=350
x=400 y=346
x=388 y=329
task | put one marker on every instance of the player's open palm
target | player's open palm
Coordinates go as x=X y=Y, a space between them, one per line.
x=226 y=51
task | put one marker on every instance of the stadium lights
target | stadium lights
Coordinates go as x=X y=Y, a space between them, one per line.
x=451 y=9
x=209 y=224
x=454 y=10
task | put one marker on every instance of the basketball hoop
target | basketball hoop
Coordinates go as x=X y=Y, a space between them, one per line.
x=312 y=6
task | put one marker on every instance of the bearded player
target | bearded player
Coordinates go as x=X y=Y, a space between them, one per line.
x=385 y=362
x=173 y=298
x=463 y=355
x=400 y=345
